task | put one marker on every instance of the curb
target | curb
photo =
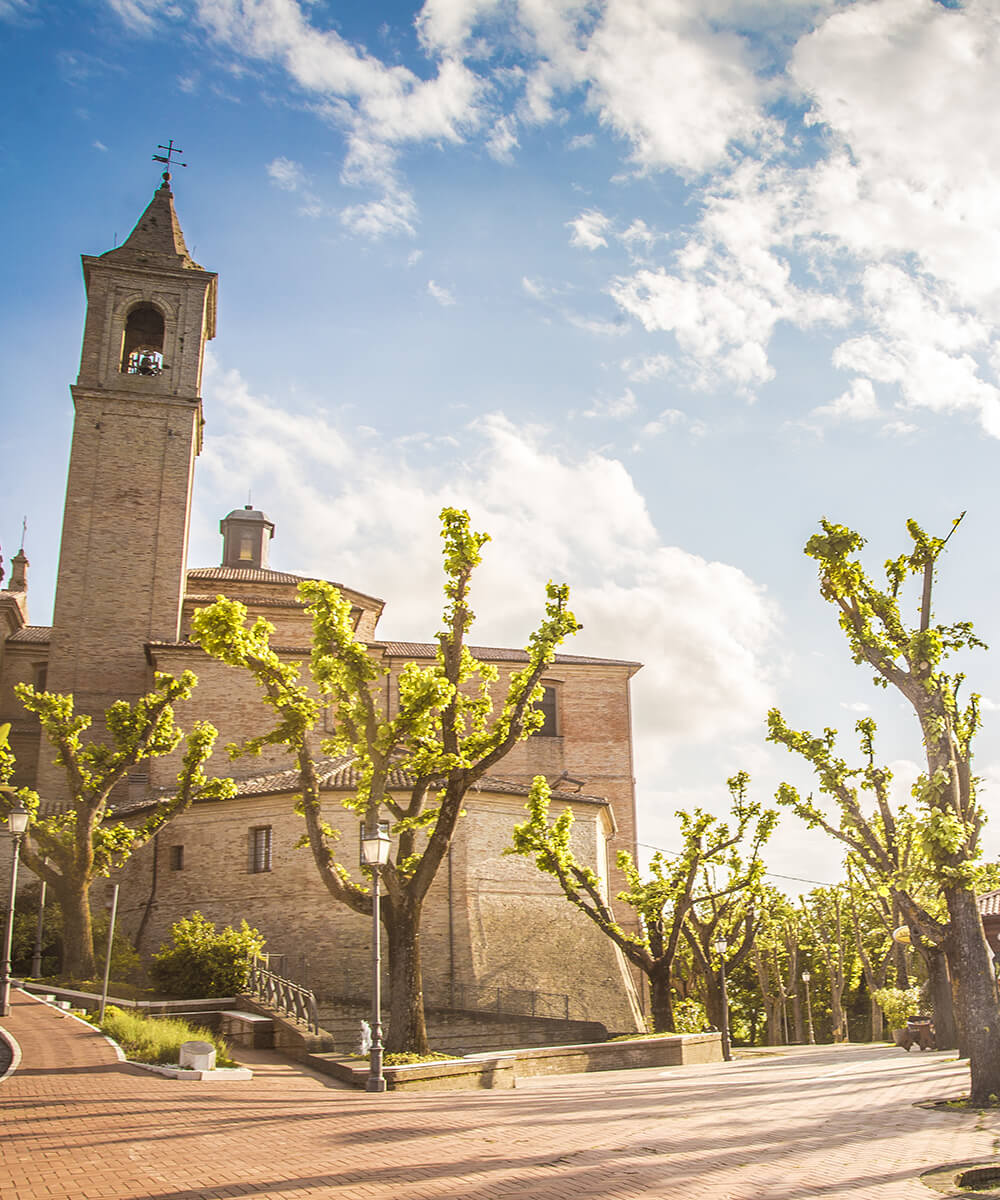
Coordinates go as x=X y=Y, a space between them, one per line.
x=15 y=1053
x=221 y=1074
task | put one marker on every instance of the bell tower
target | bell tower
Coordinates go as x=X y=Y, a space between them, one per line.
x=137 y=432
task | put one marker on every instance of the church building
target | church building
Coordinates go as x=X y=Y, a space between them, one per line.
x=494 y=926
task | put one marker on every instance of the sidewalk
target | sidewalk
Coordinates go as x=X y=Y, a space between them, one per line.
x=75 y=1124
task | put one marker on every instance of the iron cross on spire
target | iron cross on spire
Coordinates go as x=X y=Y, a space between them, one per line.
x=168 y=158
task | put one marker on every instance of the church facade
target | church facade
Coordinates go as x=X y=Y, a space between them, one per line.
x=494 y=926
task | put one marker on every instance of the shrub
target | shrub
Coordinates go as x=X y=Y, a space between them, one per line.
x=689 y=1016
x=158 y=1039
x=203 y=961
x=897 y=1004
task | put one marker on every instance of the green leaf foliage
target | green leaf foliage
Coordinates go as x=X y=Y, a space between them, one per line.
x=71 y=846
x=441 y=727
x=202 y=961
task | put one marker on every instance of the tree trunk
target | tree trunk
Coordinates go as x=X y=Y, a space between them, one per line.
x=942 y=1002
x=78 y=933
x=878 y=1029
x=977 y=1002
x=407 y=1026
x=798 y=1025
x=660 y=1001
x=713 y=999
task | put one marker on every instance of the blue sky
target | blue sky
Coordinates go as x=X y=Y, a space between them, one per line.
x=648 y=285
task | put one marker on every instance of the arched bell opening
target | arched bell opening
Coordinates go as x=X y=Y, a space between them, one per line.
x=142 y=344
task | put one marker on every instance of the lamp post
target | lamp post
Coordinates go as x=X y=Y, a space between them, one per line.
x=17 y=823
x=36 y=958
x=375 y=854
x=720 y=950
x=809 y=1008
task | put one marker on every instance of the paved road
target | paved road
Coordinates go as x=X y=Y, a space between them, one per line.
x=75 y=1124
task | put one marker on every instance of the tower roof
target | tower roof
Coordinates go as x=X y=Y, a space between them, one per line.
x=157 y=239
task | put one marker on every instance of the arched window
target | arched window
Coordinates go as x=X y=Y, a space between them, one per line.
x=142 y=346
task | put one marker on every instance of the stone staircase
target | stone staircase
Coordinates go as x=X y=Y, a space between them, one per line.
x=461 y=1031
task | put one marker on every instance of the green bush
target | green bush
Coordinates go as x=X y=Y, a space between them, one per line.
x=202 y=961
x=897 y=1004
x=690 y=1016
x=158 y=1039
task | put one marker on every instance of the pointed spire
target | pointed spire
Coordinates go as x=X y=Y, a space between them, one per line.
x=157 y=239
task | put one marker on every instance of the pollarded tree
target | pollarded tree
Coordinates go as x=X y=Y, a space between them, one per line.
x=823 y=918
x=446 y=734
x=949 y=819
x=84 y=840
x=664 y=901
x=776 y=964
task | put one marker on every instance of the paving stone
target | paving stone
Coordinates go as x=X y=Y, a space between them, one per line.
x=829 y=1122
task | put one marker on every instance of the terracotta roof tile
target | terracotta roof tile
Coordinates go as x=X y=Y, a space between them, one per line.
x=494 y=654
x=262 y=601
x=40 y=634
x=341 y=774
x=989 y=903
x=263 y=575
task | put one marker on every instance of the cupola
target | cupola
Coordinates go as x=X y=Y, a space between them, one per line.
x=245 y=535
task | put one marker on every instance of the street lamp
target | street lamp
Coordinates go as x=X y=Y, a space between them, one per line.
x=720 y=950
x=809 y=1008
x=17 y=823
x=375 y=853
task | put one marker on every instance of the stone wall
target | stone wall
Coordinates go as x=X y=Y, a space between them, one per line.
x=490 y=921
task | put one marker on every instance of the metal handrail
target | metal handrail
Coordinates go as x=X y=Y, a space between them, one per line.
x=524 y=1002
x=284 y=995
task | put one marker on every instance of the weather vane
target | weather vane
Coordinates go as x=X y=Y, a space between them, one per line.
x=168 y=158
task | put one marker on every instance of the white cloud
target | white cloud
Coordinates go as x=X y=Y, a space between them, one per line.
x=730 y=282
x=653 y=366
x=898 y=428
x=679 y=87
x=582 y=141
x=533 y=288
x=589 y=229
x=286 y=174
x=639 y=237
x=441 y=294
x=139 y=15
x=670 y=418
x=858 y=403
x=922 y=340
x=366 y=512
x=615 y=407
x=596 y=325
x=502 y=141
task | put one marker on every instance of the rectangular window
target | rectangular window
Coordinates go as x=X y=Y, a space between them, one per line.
x=177 y=858
x=260 y=849
x=549 y=707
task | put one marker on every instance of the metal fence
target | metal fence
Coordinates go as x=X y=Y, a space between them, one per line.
x=283 y=995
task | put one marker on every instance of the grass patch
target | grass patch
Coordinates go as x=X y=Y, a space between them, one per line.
x=634 y=1037
x=158 y=1039
x=408 y=1060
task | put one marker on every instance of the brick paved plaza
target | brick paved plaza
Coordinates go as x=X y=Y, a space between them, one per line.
x=823 y=1122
